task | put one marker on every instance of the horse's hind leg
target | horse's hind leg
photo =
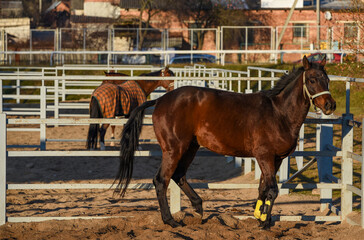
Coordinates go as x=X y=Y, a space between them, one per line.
x=112 y=135
x=102 y=135
x=179 y=177
x=161 y=182
x=174 y=164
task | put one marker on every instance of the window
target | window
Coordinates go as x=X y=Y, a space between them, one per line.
x=299 y=30
x=350 y=30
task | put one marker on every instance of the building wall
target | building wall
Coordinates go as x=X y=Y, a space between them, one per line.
x=332 y=31
x=101 y=8
x=19 y=27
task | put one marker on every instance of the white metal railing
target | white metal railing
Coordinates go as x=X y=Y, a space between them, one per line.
x=165 y=54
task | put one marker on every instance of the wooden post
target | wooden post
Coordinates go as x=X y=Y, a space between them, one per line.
x=284 y=174
x=346 y=166
x=247 y=165
x=175 y=197
x=238 y=162
x=2 y=168
x=301 y=141
x=56 y=98
x=43 y=113
x=347 y=162
x=258 y=172
x=1 y=96
x=324 y=164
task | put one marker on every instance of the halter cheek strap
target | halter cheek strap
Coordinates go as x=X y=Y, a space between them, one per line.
x=305 y=90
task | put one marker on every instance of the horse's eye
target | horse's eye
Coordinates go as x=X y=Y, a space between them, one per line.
x=312 y=80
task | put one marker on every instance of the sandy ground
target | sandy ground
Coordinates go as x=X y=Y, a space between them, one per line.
x=137 y=215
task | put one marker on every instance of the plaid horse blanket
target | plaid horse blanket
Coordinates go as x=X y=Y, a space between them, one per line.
x=119 y=100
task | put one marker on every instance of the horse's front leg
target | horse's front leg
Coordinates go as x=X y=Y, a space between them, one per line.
x=268 y=192
x=261 y=199
x=272 y=194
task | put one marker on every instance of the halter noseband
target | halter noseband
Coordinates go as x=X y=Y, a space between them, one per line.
x=311 y=97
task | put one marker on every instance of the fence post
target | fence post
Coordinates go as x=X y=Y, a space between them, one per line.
x=18 y=87
x=43 y=113
x=324 y=164
x=56 y=98
x=247 y=165
x=2 y=168
x=1 y=96
x=347 y=162
x=284 y=174
x=175 y=197
x=258 y=172
x=301 y=141
x=346 y=166
x=63 y=86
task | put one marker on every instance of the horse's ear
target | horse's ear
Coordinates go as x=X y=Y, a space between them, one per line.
x=323 y=61
x=306 y=64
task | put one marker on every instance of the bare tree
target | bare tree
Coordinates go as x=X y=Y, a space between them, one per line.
x=197 y=14
x=354 y=31
x=150 y=8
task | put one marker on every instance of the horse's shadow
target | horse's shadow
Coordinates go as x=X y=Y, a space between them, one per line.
x=48 y=169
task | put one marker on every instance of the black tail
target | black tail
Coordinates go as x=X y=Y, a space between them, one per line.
x=93 y=131
x=128 y=144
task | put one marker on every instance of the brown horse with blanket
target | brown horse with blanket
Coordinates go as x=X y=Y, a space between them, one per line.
x=110 y=100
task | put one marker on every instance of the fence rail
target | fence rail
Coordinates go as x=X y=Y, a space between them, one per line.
x=52 y=45
x=166 y=54
x=197 y=74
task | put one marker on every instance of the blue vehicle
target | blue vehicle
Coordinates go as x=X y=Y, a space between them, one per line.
x=196 y=58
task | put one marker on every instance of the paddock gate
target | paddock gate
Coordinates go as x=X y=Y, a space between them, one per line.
x=56 y=84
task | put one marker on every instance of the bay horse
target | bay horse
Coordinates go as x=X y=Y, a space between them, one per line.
x=110 y=100
x=264 y=125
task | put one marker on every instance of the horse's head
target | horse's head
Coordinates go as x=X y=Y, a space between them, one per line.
x=316 y=85
x=167 y=84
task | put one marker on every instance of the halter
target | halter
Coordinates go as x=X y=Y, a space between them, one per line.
x=169 y=85
x=311 y=97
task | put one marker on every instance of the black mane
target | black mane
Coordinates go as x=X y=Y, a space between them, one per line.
x=286 y=80
x=156 y=73
x=284 y=83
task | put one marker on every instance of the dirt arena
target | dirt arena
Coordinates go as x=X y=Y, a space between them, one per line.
x=137 y=216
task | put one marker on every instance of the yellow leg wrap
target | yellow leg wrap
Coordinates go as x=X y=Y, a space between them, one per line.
x=263 y=217
x=257 y=212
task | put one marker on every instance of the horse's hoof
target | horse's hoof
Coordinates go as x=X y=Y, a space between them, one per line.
x=265 y=225
x=102 y=146
x=199 y=210
x=112 y=144
x=173 y=223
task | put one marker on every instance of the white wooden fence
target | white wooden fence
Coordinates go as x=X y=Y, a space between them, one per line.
x=225 y=82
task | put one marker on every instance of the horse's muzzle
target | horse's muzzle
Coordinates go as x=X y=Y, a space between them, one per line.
x=329 y=106
x=326 y=103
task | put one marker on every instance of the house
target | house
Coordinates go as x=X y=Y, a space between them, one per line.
x=57 y=15
x=337 y=20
